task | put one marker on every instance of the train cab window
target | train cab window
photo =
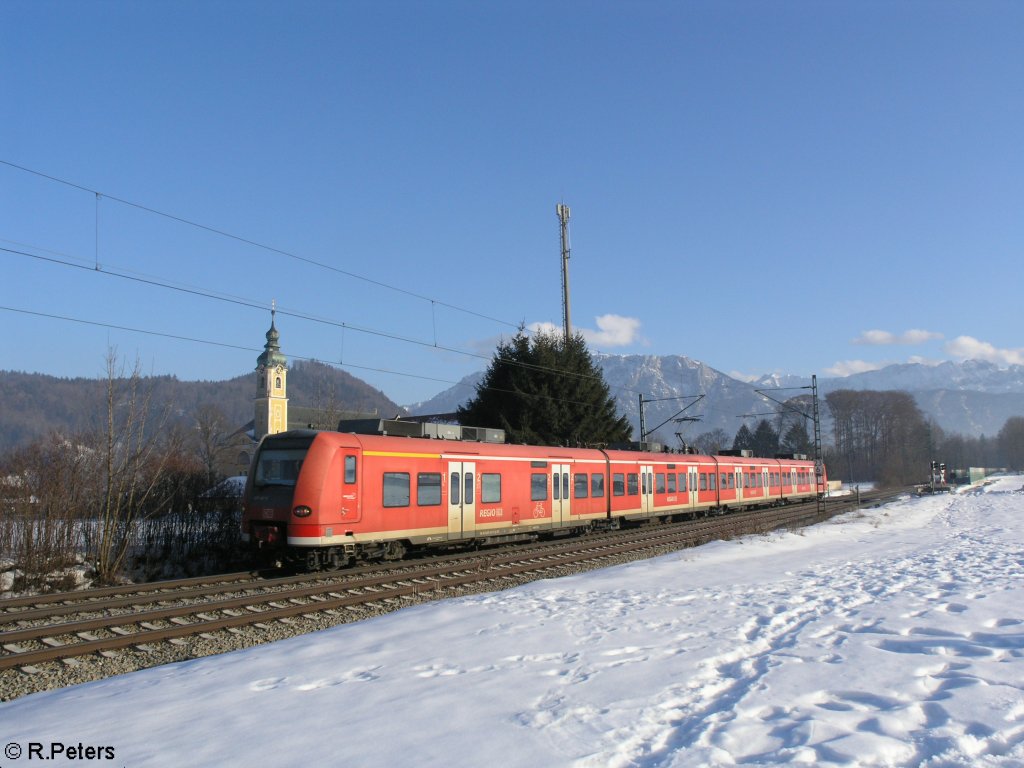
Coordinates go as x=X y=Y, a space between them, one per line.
x=703 y=481
x=490 y=487
x=538 y=487
x=579 y=486
x=659 y=483
x=350 y=469
x=597 y=485
x=396 y=489
x=632 y=484
x=671 y=482
x=619 y=484
x=428 y=489
x=279 y=466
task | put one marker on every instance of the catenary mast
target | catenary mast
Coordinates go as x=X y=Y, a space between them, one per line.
x=563 y=217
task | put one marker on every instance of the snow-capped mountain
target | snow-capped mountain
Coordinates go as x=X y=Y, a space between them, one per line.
x=970 y=375
x=970 y=398
x=670 y=382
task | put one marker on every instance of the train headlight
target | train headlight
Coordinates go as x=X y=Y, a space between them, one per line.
x=302 y=511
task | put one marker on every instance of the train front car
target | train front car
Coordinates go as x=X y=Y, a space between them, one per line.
x=285 y=493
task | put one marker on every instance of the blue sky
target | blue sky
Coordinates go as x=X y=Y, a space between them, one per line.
x=799 y=187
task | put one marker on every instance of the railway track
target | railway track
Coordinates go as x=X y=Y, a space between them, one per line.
x=107 y=623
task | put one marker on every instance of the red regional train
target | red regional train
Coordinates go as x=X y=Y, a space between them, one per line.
x=328 y=499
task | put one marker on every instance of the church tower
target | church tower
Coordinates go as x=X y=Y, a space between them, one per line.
x=271 y=386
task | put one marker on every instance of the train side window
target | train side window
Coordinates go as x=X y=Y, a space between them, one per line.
x=556 y=492
x=682 y=482
x=632 y=484
x=724 y=482
x=703 y=481
x=468 y=485
x=490 y=487
x=538 y=487
x=712 y=481
x=565 y=485
x=350 y=469
x=455 y=490
x=597 y=485
x=579 y=486
x=659 y=482
x=428 y=489
x=396 y=489
x=671 y=482
x=619 y=484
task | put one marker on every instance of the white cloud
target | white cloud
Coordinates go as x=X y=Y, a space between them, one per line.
x=885 y=338
x=969 y=348
x=612 y=331
x=850 y=367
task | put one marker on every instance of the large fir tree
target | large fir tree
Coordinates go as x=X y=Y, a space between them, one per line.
x=546 y=390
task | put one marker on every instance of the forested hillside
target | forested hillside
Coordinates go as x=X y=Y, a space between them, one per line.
x=35 y=404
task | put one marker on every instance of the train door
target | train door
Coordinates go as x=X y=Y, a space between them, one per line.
x=646 y=489
x=691 y=484
x=461 y=499
x=560 y=494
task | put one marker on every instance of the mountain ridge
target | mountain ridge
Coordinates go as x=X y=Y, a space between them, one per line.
x=35 y=404
x=970 y=398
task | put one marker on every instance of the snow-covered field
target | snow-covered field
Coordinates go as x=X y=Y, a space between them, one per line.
x=889 y=637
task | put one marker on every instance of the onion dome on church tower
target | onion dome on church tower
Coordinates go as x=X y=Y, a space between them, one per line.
x=272 y=356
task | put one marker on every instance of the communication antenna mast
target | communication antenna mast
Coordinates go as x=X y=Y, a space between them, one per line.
x=563 y=216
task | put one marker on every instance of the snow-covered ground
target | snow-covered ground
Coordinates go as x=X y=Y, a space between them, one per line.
x=889 y=637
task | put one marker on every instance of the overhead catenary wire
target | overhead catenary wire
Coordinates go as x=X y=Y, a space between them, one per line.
x=245 y=241
x=67 y=261
x=97 y=194
x=244 y=348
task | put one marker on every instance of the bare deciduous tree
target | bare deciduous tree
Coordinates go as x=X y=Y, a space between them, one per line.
x=132 y=461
